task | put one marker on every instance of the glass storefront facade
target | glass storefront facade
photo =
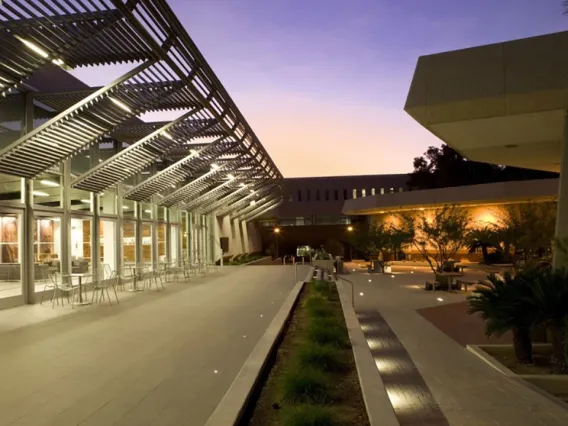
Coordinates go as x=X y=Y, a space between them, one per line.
x=73 y=231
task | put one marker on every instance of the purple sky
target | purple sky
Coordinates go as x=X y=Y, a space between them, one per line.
x=323 y=82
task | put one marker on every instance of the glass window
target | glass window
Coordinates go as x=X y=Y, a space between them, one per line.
x=299 y=195
x=363 y=193
x=47 y=249
x=174 y=243
x=81 y=162
x=10 y=255
x=382 y=190
x=146 y=211
x=10 y=188
x=128 y=208
x=108 y=201
x=391 y=190
x=47 y=190
x=327 y=195
x=174 y=215
x=308 y=195
x=162 y=242
x=354 y=194
x=336 y=195
x=81 y=248
x=317 y=195
x=129 y=242
x=184 y=231
x=108 y=246
x=400 y=189
x=81 y=200
x=345 y=194
x=162 y=212
x=372 y=191
x=147 y=243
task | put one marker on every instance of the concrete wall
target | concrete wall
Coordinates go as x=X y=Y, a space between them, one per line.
x=296 y=203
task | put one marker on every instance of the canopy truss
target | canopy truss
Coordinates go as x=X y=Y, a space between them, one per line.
x=206 y=154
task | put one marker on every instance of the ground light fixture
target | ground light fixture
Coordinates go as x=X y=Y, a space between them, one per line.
x=361 y=294
x=439 y=299
x=350 y=228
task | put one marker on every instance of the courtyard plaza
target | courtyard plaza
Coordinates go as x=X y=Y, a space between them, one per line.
x=162 y=358
x=429 y=375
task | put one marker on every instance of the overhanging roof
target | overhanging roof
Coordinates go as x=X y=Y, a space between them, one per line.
x=502 y=103
x=168 y=73
x=491 y=193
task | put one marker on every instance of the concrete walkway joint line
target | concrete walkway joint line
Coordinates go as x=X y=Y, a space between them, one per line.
x=377 y=402
x=232 y=406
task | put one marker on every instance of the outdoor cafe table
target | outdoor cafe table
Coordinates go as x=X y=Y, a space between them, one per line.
x=80 y=278
x=450 y=276
x=135 y=270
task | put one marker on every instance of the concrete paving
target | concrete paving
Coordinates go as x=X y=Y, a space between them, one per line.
x=162 y=358
x=465 y=389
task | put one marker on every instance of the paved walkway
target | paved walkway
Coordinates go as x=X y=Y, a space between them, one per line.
x=155 y=359
x=467 y=391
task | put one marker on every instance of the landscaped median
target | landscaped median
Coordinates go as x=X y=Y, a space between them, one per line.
x=313 y=379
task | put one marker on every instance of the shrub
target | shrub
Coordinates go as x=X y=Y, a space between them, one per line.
x=328 y=332
x=322 y=357
x=308 y=415
x=299 y=384
x=317 y=306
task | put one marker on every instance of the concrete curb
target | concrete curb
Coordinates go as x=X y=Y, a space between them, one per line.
x=377 y=402
x=255 y=261
x=519 y=378
x=234 y=402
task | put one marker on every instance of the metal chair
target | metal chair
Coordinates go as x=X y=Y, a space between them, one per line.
x=103 y=286
x=61 y=288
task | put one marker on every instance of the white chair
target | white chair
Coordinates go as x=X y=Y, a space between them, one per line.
x=103 y=285
x=61 y=288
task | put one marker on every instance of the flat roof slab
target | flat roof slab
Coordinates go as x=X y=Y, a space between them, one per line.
x=502 y=103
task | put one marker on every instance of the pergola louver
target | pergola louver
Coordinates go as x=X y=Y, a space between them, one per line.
x=171 y=74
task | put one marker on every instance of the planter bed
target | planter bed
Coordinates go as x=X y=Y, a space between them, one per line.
x=539 y=373
x=312 y=378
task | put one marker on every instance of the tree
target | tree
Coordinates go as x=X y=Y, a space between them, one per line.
x=484 y=239
x=505 y=305
x=549 y=299
x=372 y=240
x=334 y=247
x=445 y=167
x=438 y=237
x=527 y=228
x=401 y=236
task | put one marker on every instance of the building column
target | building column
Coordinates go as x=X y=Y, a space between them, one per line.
x=246 y=242
x=97 y=268
x=561 y=258
x=66 y=221
x=236 y=231
x=27 y=259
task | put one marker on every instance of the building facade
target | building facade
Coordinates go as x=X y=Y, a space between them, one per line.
x=88 y=187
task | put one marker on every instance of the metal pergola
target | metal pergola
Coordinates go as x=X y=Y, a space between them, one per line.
x=208 y=159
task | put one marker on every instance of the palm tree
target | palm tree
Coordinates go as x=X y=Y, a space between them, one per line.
x=505 y=306
x=485 y=238
x=550 y=302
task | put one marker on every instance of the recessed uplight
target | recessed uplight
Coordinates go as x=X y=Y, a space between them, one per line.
x=244 y=336
x=194 y=152
x=261 y=315
x=361 y=294
x=214 y=166
x=370 y=280
x=58 y=62
x=167 y=135
x=215 y=371
x=48 y=183
x=230 y=176
x=412 y=272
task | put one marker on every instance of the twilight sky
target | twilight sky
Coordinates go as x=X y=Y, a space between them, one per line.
x=323 y=82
